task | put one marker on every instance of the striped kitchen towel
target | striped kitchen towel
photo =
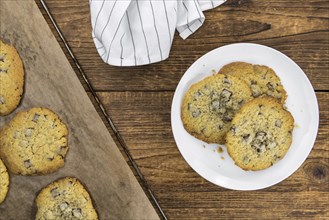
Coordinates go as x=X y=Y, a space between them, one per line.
x=139 y=32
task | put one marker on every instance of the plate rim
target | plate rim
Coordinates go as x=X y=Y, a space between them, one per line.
x=315 y=107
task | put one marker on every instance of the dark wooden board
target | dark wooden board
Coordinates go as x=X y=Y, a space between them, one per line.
x=183 y=194
x=299 y=29
x=93 y=156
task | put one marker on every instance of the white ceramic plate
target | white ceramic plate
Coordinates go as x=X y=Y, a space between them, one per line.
x=219 y=168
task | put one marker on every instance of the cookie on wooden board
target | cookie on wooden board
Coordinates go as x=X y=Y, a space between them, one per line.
x=209 y=106
x=65 y=199
x=34 y=142
x=260 y=134
x=4 y=181
x=261 y=79
x=11 y=79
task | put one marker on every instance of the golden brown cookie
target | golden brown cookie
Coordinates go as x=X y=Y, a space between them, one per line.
x=11 y=79
x=65 y=199
x=4 y=181
x=34 y=142
x=209 y=106
x=260 y=134
x=261 y=79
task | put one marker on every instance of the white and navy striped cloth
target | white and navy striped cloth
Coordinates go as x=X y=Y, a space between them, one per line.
x=139 y=32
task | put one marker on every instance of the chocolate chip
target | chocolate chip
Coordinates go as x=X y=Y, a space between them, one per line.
x=196 y=113
x=63 y=206
x=213 y=95
x=226 y=81
x=3 y=70
x=227 y=118
x=270 y=86
x=214 y=106
x=241 y=102
x=2 y=57
x=77 y=213
x=35 y=117
x=255 y=90
x=260 y=135
x=256 y=93
x=246 y=138
x=2 y=100
x=54 y=192
x=232 y=129
x=27 y=164
x=53 y=124
x=260 y=109
x=188 y=106
x=197 y=95
x=225 y=95
x=28 y=132
x=253 y=82
x=278 y=123
x=260 y=142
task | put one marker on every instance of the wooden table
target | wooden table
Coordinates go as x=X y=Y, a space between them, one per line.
x=139 y=100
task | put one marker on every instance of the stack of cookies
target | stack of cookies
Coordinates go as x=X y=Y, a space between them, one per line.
x=35 y=142
x=241 y=107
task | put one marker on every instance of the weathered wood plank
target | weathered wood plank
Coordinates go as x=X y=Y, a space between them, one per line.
x=297 y=28
x=145 y=127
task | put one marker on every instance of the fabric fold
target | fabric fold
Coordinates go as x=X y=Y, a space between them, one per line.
x=140 y=32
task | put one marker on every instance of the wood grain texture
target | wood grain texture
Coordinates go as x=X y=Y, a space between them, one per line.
x=139 y=100
x=297 y=28
x=93 y=156
x=183 y=194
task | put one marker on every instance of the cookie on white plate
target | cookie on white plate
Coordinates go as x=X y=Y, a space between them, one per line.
x=260 y=134
x=209 y=106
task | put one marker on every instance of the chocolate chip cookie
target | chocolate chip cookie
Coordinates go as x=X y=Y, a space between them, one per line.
x=65 y=199
x=209 y=106
x=261 y=79
x=34 y=142
x=11 y=79
x=4 y=181
x=260 y=134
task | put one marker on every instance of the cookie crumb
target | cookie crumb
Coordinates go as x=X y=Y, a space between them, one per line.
x=223 y=158
x=220 y=150
x=297 y=126
x=213 y=71
x=204 y=146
